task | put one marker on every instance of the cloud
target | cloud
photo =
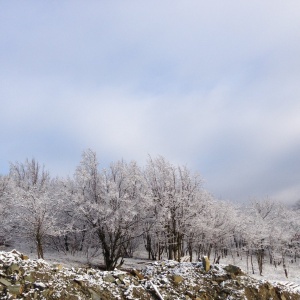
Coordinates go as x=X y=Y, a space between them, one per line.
x=213 y=85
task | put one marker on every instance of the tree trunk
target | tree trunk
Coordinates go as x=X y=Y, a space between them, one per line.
x=66 y=243
x=260 y=256
x=39 y=247
x=251 y=260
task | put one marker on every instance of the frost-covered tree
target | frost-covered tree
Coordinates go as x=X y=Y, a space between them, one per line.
x=283 y=239
x=164 y=206
x=258 y=226
x=217 y=225
x=73 y=235
x=35 y=202
x=269 y=230
x=176 y=202
x=4 y=190
x=5 y=208
x=110 y=202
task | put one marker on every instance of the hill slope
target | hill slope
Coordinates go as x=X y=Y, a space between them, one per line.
x=22 y=278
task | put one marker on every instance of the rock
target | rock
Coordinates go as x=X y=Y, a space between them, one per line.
x=5 y=282
x=189 y=295
x=121 y=277
x=14 y=251
x=13 y=268
x=140 y=293
x=206 y=263
x=24 y=257
x=109 y=278
x=172 y=280
x=29 y=278
x=94 y=295
x=39 y=285
x=15 y=289
x=220 y=279
x=79 y=282
x=57 y=267
x=73 y=297
x=185 y=258
x=233 y=270
x=137 y=274
x=41 y=276
x=177 y=279
x=90 y=271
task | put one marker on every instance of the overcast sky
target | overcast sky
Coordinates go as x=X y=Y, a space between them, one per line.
x=214 y=85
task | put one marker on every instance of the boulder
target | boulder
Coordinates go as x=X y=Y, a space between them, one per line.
x=205 y=263
x=233 y=270
x=177 y=279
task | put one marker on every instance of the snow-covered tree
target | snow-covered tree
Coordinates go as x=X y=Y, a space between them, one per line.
x=5 y=208
x=176 y=202
x=217 y=224
x=34 y=200
x=73 y=235
x=269 y=230
x=110 y=202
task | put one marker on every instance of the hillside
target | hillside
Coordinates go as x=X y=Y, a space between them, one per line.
x=23 y=278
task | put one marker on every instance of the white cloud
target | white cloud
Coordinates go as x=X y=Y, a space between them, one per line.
x=211 y=84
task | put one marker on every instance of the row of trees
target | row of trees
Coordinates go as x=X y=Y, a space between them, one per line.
x=162 y=206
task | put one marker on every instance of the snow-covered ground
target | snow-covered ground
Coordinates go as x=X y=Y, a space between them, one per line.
x=23 y=278
x=270 y=273
x=140 y=260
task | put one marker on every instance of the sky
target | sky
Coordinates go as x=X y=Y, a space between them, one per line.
x=214 y=85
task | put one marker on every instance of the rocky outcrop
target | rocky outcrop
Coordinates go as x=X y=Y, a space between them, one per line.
x=22 y=278
x=205 y=263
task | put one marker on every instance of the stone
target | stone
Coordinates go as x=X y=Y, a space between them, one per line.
x=16 y=252
x=177 y=279
x=282 y=297
x=73 y=297
x=121 y=276
x=4 y=282
x=29 y=278
x=187 y=282
x=189 y=294
x=221 y=278
x=90 y=271
x=24 y=257
x=137 y=274
x=233 y=270
x=140 y=293
x=205 y=263
x=109 y=278
x=15 y=289
x=185 y=258
x=39 y=285
x=57 y=267
x=13 y=268
x=42 y=276
x=94 y=295
x=79 y=282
